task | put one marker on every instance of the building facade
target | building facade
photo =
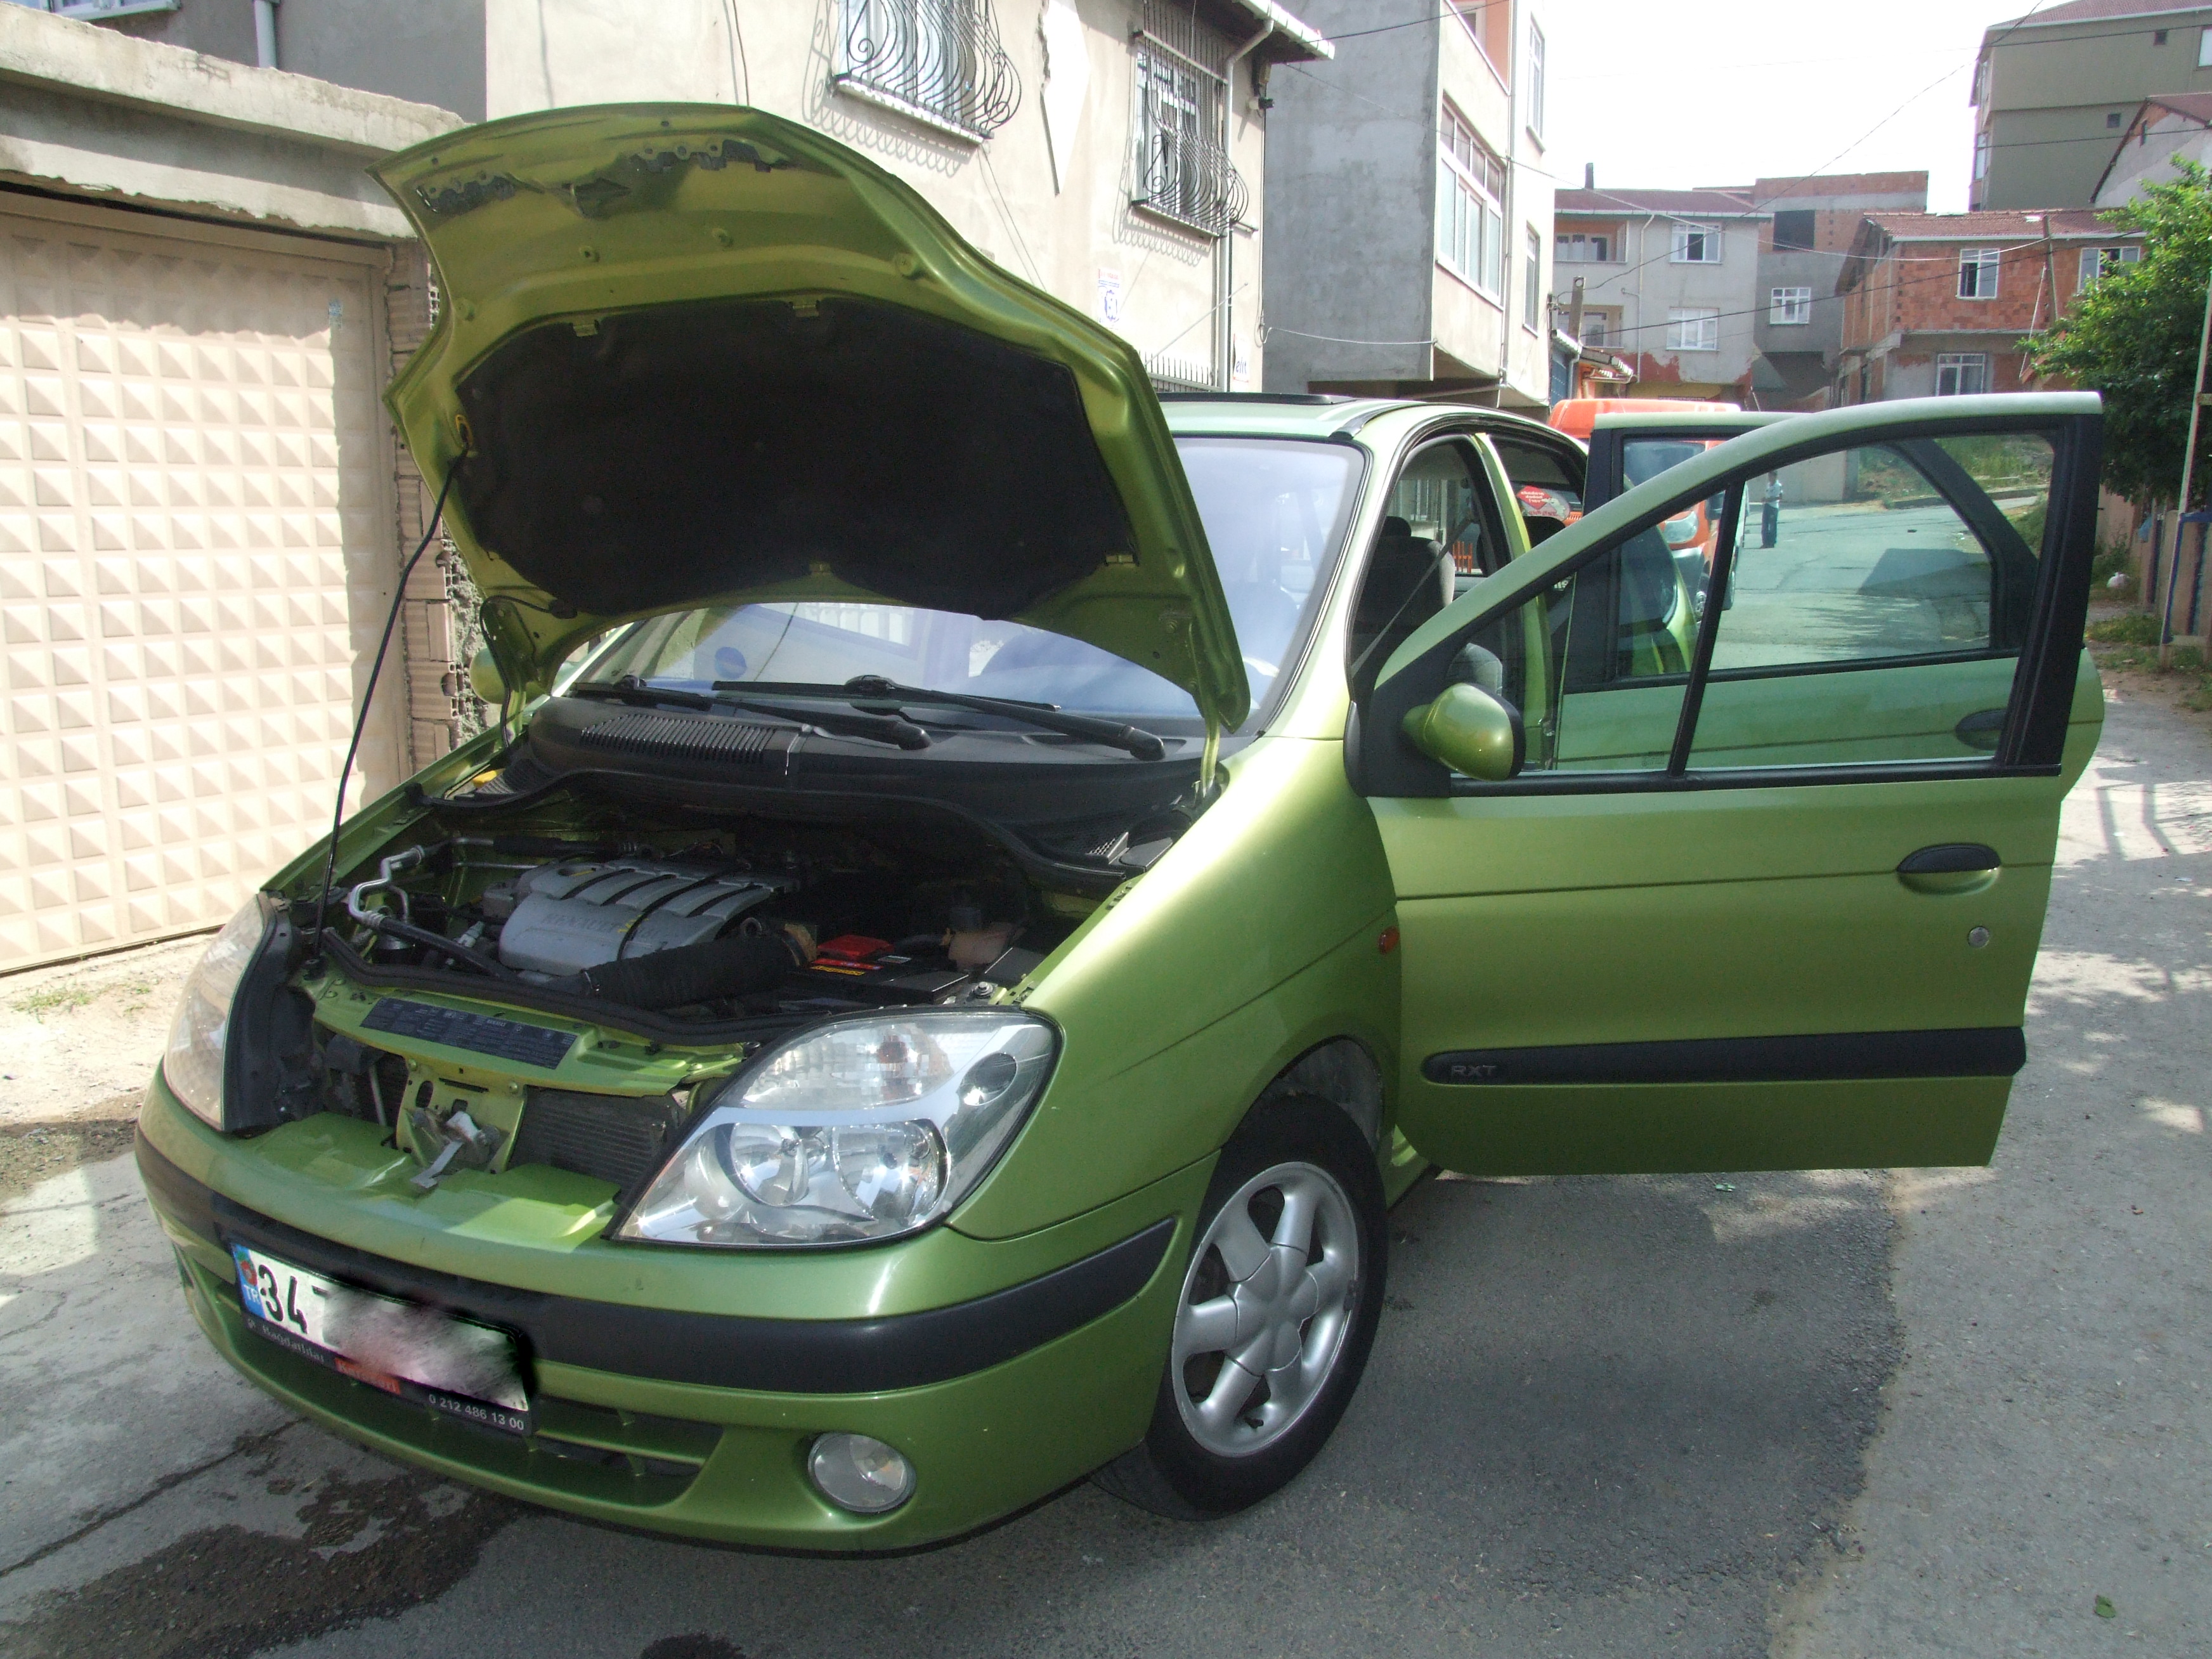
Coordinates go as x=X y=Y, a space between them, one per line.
x=1412 y=223
x=202 y=294
x=2164 y=133
x=1944 y=304
x=2054 y=90
x=1666 y=279
x=1797 y=324
x=1109 y=151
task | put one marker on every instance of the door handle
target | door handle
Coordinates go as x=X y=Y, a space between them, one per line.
x=1952 y=868
x=1981 y=729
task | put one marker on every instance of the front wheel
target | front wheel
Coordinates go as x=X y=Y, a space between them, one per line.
x=1277 y=1315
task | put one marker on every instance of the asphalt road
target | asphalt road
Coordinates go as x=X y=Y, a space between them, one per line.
x=1821 y=1416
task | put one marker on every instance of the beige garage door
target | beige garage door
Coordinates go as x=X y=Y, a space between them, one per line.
x=195 y=554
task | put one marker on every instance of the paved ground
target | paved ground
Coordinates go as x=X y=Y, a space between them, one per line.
x=1821 y=1416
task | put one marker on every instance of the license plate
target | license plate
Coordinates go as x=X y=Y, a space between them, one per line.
x=417 y=1353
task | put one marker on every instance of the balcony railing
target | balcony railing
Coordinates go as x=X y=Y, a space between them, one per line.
x=939 y=61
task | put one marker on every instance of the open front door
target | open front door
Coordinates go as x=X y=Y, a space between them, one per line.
x=1767 y=889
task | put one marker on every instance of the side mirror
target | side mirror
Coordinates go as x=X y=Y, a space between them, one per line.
x=485 y=679
x=1474 y=731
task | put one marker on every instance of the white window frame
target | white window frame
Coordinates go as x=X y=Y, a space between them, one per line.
x=1982 y=144
x=1788 y=308
x=1580 y=247
x=1694 y=244
x=1983 y=263
x=1962 y=367
x=2100 y=261
x=1536 y=79
x=1693 y=328
x=1597 y=324
x=2204 y=49
x=1532 y=281
x=1470 y=214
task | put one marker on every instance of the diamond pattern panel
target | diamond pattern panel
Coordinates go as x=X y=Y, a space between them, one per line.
x=194 y=558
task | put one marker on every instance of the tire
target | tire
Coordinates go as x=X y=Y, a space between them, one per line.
x=1296 y=1181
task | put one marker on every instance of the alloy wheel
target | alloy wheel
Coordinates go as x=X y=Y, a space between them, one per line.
x=1269 y=1297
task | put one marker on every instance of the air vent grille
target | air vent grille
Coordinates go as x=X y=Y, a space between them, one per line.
x=692 y=737
x=617 y=1138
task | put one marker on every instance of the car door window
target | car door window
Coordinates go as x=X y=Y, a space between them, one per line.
x=1874 y=605
x=1878 y=600
x=1597 y=664
x=1436 y=525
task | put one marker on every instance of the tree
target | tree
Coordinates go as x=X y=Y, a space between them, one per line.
x=2133 y=336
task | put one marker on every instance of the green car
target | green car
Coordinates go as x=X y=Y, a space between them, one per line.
x=987 y=883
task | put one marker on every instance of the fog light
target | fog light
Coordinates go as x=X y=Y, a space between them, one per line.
x=857 y=1473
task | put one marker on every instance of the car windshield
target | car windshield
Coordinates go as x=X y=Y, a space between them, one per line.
x=1274 y=511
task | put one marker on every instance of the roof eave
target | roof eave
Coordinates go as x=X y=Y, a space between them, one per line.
x=1294 y=40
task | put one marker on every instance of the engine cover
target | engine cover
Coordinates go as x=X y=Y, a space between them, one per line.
x=574 y=916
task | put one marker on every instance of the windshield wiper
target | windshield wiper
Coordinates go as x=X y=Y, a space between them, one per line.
x=629 y=689
x=874 y=688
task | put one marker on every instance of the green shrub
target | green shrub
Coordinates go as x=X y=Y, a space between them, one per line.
x=2136 y=627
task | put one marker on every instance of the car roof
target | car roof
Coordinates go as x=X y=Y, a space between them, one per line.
x=1306 y=414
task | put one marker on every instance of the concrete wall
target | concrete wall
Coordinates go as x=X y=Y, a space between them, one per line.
x=1351 y=188
x=84 y=110
x=1068 y=227
x=427 y=52
x=2169 y=139
x=1352 y=181
x=2050 y=91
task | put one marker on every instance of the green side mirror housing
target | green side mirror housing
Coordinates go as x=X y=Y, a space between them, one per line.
x=485 y=679
x=1472 y=731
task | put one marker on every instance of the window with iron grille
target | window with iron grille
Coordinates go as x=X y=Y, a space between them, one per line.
x=1978 y=273
x=937 y=61
x=1961 y=374
x=1695 y=245
x=1470 y=223
x=1183 y=173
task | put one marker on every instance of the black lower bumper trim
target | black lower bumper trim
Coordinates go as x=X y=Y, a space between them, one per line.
x=781 y=1355
x=1846 y=1057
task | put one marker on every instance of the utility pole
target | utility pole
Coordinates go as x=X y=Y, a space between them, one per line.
x=2188 y=471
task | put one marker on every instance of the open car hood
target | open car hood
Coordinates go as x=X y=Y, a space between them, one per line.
x=691 y=354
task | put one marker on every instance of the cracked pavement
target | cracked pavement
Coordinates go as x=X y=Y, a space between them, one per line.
x=1822 y=1416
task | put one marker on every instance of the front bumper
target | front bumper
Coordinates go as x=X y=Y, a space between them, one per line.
x=684 y=1414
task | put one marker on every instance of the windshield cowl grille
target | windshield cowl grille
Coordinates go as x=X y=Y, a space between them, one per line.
x=692 y=737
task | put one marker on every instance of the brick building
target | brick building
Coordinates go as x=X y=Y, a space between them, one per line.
x=1940 y=304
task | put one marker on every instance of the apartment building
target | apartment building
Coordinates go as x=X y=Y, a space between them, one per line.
x=1797 y=322
x=1410 y=224
x=1942 y=304
x=202 y=294
x=1108 y=151
x=2055 y=88
x=2164 y=133
x=1666 y=279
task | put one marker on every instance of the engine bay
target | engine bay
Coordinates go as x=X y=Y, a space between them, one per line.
x=706 y=932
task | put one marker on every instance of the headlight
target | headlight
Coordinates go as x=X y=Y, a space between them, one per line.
x=1679 y=530
x=863 y=1129
x=194 y=1062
